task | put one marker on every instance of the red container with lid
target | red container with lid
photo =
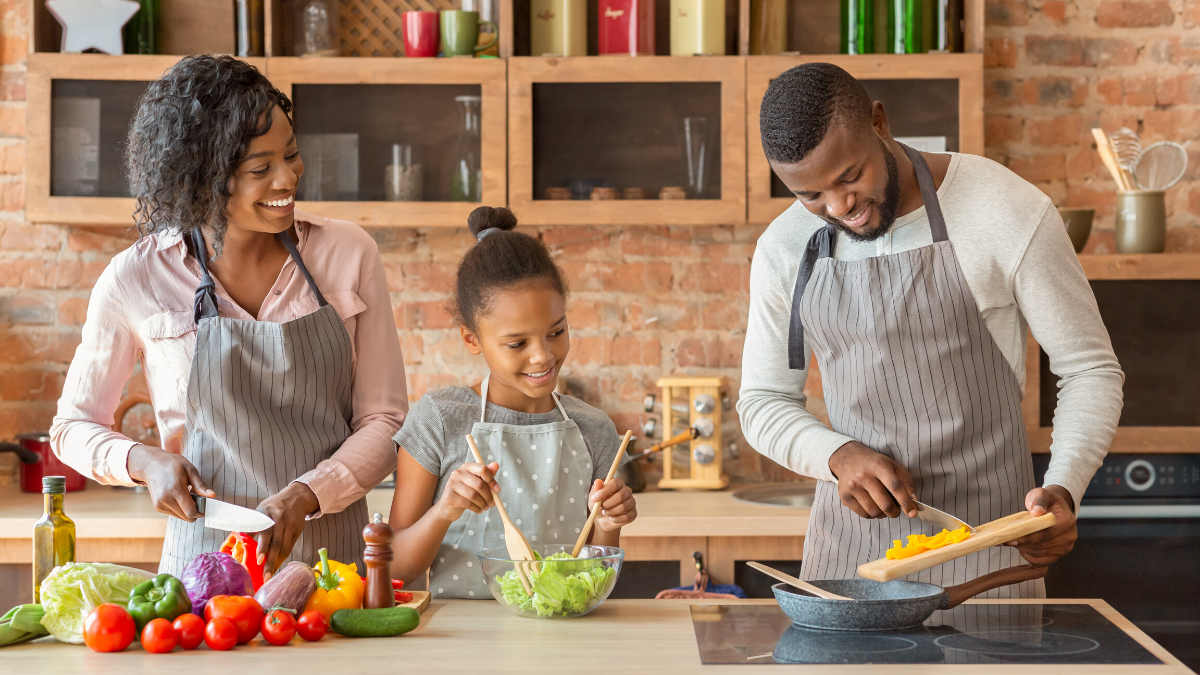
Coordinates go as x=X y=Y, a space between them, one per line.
x=626 y=27
x=38 y=460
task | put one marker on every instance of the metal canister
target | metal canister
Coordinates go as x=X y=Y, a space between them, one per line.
x=1141 y=221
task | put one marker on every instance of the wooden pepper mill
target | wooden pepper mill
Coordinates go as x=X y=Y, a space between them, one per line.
x=378 y=556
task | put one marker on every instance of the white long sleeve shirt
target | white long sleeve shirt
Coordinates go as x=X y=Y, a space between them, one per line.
x=1023 y=272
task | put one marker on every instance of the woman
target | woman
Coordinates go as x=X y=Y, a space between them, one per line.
x=249 y=318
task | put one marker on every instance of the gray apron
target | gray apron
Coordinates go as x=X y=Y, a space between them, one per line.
x=545 y=478
x=267 y=403
x=910 y=370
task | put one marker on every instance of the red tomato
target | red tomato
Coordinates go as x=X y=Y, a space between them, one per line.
x=220 y=634
x=109 y=628
x=312 y=625
x=159 y=636
x=242 y=610
x=190 y=629
x=279 y=627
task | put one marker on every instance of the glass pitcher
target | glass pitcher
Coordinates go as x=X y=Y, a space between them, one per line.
x=466 y=183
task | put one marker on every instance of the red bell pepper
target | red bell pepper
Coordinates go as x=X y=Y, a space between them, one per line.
x=244 y=549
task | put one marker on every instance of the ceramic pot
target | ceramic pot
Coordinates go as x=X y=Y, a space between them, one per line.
x=1141 y=221
x=1079 y=225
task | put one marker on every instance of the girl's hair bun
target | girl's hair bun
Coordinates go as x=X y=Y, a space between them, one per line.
x=488 y=217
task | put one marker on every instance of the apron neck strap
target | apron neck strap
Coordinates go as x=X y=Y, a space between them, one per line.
x=483 y=390
x=933 y=209
x=205 y=304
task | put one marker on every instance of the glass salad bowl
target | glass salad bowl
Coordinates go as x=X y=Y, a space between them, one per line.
x=563 y=587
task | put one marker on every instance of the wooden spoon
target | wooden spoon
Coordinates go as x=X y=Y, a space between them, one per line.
x=1108 y=157
x=793 y=581
x=518 y=545
x=612 y=471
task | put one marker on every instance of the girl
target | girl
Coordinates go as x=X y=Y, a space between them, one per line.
x=549 y=451
x=249 y=318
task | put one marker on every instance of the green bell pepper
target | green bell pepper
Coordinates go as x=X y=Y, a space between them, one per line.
x=162 y=597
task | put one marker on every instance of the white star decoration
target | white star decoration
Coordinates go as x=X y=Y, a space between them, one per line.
x=92 y=24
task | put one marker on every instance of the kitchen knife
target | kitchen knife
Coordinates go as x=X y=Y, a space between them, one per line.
x=219 y=515
x=931 y=515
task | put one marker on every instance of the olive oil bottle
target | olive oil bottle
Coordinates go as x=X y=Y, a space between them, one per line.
x=53 y=534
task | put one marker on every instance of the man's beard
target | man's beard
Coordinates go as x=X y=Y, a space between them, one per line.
x=887 y=210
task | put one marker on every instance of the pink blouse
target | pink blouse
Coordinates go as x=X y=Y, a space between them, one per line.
x=141 y=308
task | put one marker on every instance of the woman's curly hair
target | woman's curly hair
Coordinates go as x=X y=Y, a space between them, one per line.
x=190 y=132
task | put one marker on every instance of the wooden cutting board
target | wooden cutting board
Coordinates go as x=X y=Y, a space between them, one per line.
x=989 y=534
x=419 y=602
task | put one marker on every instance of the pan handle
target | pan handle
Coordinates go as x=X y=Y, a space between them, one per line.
x=955 y=595
x=27 y=456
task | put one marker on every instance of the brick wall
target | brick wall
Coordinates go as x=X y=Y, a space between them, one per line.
x=1055 y=69
x=649 y=301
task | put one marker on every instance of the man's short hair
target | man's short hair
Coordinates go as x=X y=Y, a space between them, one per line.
x=800 y=105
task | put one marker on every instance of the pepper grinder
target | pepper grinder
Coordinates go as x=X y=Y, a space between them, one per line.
x=378 y=557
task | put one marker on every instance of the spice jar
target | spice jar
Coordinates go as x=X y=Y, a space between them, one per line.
x=404 y=178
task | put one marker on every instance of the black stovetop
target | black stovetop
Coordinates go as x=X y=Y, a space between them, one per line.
x=974 y=633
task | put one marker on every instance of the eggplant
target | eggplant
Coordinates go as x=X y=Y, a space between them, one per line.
x=290 y=588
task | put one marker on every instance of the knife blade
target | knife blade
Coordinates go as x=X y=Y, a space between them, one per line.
x=931 y=515
x=219 y=515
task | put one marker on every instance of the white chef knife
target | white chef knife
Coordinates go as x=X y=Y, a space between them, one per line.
x=931 y=515
x=219 y=515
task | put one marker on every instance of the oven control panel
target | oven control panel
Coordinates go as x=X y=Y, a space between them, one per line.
x=1132 y=476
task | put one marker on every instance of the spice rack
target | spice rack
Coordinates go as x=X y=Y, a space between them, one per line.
x=617 y=121
x=924 y=95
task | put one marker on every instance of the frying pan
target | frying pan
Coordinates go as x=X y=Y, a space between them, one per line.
x=891 y=605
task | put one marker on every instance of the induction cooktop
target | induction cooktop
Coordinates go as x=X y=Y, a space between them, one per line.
x=973 y=633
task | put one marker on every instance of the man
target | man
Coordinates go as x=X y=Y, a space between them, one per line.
x=912 y=278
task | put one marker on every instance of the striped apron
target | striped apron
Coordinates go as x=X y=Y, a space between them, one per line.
x=267 y=402
x=910 y=370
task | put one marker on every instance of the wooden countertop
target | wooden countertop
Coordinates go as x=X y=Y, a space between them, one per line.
x=108 y=518
x=473 y=637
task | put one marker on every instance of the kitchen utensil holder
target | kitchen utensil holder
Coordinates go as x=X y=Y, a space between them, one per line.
x=1141 y=221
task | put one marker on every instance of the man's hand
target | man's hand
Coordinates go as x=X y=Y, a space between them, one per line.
x=1048 y=545
x=870 y=484
x=288 y=509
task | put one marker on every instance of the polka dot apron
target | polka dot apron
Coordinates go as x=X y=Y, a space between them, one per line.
x=545 y=475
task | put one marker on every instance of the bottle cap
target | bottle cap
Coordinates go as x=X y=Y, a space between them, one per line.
x=54 y=485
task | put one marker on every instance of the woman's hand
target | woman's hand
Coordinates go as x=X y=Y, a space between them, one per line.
x=471 y=487
x=171 y=479
x=288 y=509
x=617 y=506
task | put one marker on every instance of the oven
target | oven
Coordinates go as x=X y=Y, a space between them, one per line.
x=1139 y=546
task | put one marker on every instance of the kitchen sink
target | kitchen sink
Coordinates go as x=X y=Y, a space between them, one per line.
x=791 y=495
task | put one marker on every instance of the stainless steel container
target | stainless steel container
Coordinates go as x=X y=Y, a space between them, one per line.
x=1141 y=221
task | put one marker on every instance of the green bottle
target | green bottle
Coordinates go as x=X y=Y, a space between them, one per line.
x=53 y=534
x=141 y=33
x=905 y=27
x=858 y=26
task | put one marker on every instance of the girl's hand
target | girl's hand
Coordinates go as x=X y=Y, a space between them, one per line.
x=617 y=506
x=471 y=488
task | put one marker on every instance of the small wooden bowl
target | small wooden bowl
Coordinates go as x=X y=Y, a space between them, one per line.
x=558 y=193
x=602 y=193
x=635 y=193
x=672 y=193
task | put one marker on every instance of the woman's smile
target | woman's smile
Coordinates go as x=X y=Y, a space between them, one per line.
x=281 y=206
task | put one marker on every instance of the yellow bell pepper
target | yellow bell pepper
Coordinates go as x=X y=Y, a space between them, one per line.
x=338 y=587
x=919 y=543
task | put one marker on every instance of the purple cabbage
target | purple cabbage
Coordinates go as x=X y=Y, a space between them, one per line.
x=213 y=574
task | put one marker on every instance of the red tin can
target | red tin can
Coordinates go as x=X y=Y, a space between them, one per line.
x=626 y=27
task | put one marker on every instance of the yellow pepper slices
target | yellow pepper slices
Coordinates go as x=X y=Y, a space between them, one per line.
x=919 y=543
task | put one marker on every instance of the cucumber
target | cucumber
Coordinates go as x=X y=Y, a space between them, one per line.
x=385 y=622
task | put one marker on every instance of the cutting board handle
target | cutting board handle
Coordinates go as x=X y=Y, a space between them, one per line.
x=955 y=595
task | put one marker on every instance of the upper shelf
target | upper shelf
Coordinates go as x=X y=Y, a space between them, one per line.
x=1120 y=267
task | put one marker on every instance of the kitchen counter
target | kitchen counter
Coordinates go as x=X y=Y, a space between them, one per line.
x=472 y=637
x=121 y=526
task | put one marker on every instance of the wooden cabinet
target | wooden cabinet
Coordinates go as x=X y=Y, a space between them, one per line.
x=646 y=123
x=923 y=94
x=379 y=102
x=79 y=108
